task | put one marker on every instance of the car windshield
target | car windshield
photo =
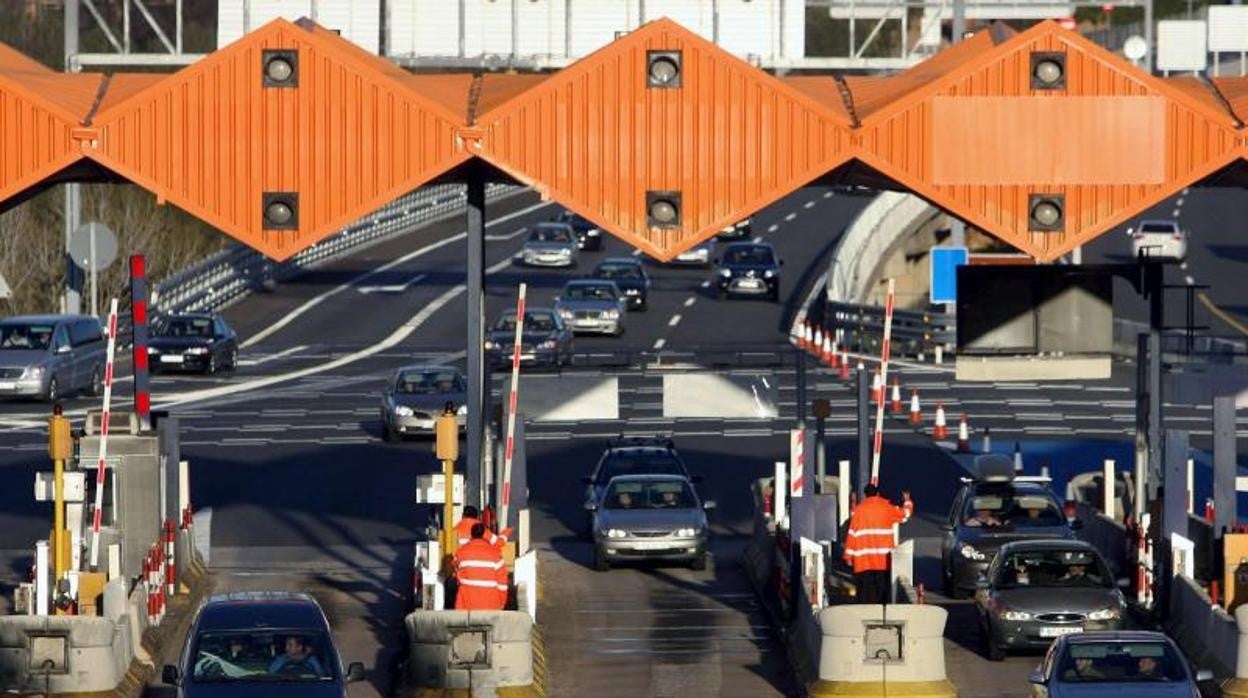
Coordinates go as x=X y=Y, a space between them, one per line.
x=185 y=327
x=1120 y=662
x=638 y=464
x=589 y=292
x=650 y=494
x=617 y=271
x=574 y=220
x=533 y=322
x=429 y=383
x=1006 y=507
x=749 y=255
x=1159 y=227
x=546 y=233
x=1055 y=567
x=26 y=337
x=262 y=655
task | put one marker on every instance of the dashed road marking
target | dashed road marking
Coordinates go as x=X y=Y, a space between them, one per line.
x=1189 y=280
x=1175 y=213
x=674 y=321
x=272 y=357
x=690 y=301
x=758 y=239
x=790 y=217
x=1183 y=266
x=705 y=284
x=809 y=204
x=827 y=195
x=636 y=253
x=773 y=227
x=1179 y=202
x=658 y=343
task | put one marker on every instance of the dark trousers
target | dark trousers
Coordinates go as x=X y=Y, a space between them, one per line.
x=873 y=586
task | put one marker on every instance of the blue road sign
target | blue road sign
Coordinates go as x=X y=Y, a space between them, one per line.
x=945 y=262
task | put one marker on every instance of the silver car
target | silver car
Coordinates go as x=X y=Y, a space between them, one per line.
x=417 y=395
x=700 y=255
x=1161 y=239
x=1135 y=663
x=50 y=356
x=649 y=517
x=592 y=306
x=550 y=245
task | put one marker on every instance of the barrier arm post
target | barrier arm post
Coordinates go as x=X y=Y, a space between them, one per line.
x=512 y=399
x=878 y=443
x=447 y=432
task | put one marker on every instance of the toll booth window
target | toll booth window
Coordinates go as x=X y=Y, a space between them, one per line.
x=108 y=509
x=881 y=642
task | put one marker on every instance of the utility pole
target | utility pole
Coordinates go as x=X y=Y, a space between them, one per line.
x=73 y=296
x=473 y=477
x=60 y=449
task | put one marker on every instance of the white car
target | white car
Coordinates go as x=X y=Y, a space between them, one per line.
x=1158 y=240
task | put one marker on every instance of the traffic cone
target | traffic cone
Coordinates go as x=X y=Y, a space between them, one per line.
x=877 y=388
x=810 y=334
x=829 y=356
x=795 y=333
x=964 y=436
x=942 y=430
x=916 y=415
x=844 y=364
x=835 y=358
x=817 y=346
x=1018 y=458
x=895 y=403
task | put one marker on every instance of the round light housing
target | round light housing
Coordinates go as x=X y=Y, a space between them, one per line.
x=279 y=213
x=278 y=69
x=663 y=211
x=1046 y=213
x=663 y=70
x=1049 y=72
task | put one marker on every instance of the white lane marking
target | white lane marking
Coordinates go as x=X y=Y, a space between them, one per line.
x=1174 y=213
x=403 y=332
x=758 y=239
x=313 y=302
x=1186 y=191
x=827 y=194
x=705 y=284
x=674 y=321
x=759 y=410
x=1189 y=280
x=392 y=288
x=272 y=357
x=1183 y=266
x=789 y=218
x=765 y=385
x=773 y=227
x=658 y=343
x=1179 y=202
x=636 y=253
x=809 y=204
x=690 y=301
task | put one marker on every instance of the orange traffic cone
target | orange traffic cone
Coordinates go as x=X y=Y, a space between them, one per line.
x=844 y=364
x=916 y=415
x=810 y=335
x=942 y=430
x=964 y=436
x=877 y=388
x=834 y=358
x=895 y=403
x=817 y=346
x=829 y=355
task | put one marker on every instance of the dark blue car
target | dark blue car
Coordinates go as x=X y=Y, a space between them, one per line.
x=270 y=644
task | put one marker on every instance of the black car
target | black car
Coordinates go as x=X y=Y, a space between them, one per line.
x=629 y=275
x=634 y=455
x=546 y=341
x=203 y=343
x=260 y=644
x=748 y=269
x=992 y=509
x=737 y=231
x=588 y=235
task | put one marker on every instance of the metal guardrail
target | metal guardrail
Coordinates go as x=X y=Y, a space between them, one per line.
x=226 y=277
x=914 y=332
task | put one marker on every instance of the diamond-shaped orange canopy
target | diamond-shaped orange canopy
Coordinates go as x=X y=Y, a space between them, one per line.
x=968 y=130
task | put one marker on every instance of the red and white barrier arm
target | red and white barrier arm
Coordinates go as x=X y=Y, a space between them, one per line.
x=97 y=514
x=510 y=449
x=878 y=445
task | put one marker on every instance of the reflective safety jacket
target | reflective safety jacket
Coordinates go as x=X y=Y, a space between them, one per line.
x=482 y=577
x=870 y=539
x=463 y=531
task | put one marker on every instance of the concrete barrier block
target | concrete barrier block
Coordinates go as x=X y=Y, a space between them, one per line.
x=857 y=638
x=93 y=656
x=115 y=600
x=431 y=635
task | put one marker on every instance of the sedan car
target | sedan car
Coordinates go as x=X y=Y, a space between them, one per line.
x=629 y=275
x=260 y=644
x=737 y=231
x=588 y=235
x=700 y=255
x=650 y=517
x=550 y=245
x=1159 y=239
x=417 y=395
x=990 y=510
x=1129 y=663
x=593 y=306
x=546 y=339
x=1038 y=590
x=203 y=343
x=749 y=269
x=633 y=456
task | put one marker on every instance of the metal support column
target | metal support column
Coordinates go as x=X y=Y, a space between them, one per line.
x=1149 y=31
x=73 y=290
x=822 y=409
x=473 y=477
x=959 y=24
x=1225 y=511
x=864 y=431
x=1156 y=315
x=801 y=387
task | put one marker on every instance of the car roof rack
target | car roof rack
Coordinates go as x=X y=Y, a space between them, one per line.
x=656 y=440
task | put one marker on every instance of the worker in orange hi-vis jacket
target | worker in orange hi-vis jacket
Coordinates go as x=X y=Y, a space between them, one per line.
x=870 y=541
x=480 y=573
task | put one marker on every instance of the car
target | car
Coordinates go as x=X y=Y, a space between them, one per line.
x=699 y=255
x=649 y=517
x=992 y=509
x=737 y=231
x=550 y=245
x=546 y=341
x=50 y=356
x=748 y=269
x=192 y=342
x=633 y=455
x=1038 y=590
x=1132 y=663
x=629 y=275
x=593 y=306
x=1158 y=239
x=588 y=235
x=417 y=395
x=260 y=643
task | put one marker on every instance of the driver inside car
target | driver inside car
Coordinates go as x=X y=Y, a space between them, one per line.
x=298 y=657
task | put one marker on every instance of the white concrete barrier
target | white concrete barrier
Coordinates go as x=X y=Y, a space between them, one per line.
x=481 y=650
x=865 y=644
x=1209 y=636
x=65 y=654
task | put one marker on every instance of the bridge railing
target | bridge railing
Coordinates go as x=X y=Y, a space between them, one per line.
x=914 y=332
x=226 y=277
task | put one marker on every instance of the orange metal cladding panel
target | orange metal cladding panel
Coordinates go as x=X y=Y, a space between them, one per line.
x=901 y=141
x=36 y=138
x=731 y=139
x=212 y=139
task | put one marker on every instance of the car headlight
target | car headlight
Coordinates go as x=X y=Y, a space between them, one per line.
x=463 y=409
x=611 y=314
x=153 y=350
x=593 y=232
x=564 y=252
x=1012 y=615
x=726 y=273
x=403 y=410
x=969 y=552
x=548 y=344
x=615 y=533
x=1110 y=613
x=565 y=314
x=197 y=351
x=767 y=273
x=490 y=345
x=631 y=291
x=34 y=372
x=686 y=532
